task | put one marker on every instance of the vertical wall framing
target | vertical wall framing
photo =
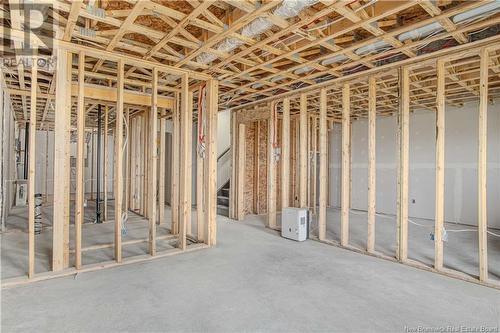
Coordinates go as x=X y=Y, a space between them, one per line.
x=372 y=115
x=80 y=187
x=186 y=120
x=285 y=155
x=240 y=214
x=303 y=152
x=211 y=163
x=403 y=168
x=323 y=166
x=118 y=172
x=31 y=170
x=440 y=135
x=346 y=164
x=60 y=238
x=271 y=168
x=482 y=219
x=153 y=160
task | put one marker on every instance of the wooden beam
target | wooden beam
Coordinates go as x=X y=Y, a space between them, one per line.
x=80 y=184
x=271 y=168
x=482 y=220
x=174 y=200
x=152 y=178
x=440 y=136
x=105 y=162
x=233 y=194
x=161 y=170
x=211 y=162
x=346 y=164
x=241 y=171
x=303 y=152
x=372 y=165
x=403 y=168
x=31 y=171
x=185 y=162
x=285 y=155
x=60 y=241
x=118 y=172
x=323 y=165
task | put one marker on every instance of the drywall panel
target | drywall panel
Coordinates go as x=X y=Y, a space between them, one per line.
x=460 y=164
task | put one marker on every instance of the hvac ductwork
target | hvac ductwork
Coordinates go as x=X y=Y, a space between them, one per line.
x=287 y=9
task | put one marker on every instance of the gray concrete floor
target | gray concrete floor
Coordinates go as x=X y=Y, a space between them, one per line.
x=252 y=281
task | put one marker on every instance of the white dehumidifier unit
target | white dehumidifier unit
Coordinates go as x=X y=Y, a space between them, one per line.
x=295 y=223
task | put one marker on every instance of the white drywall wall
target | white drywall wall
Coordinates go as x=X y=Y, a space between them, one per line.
x=7 y=153
x=461 y=141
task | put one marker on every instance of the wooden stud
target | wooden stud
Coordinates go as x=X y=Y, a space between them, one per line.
x=200 y=179
x=256 y=173
x=233 y=194
x=323 y=165
x=285 y=155
x=118 y=172
x=105 y=162
x=482 y=220
x=185 y=163
x=60 y=241
x=241 y=171
x=271 y=169
x=127 y=163
x=403 y=169
x=174 y=200
x=346 y=156
x=31 y=171
x=303 y=152
x=314 y=163
x=372 y=165
x=211 y=162
x=80 y=184
x=440 y=136
x=153 y=162
x=161 y=170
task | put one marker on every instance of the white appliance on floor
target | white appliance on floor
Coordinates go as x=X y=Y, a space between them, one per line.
x=295 y=223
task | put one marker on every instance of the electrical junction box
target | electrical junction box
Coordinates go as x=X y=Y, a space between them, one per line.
x=295 y=223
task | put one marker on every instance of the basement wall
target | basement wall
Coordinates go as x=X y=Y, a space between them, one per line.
x=461 y=151
x=7 y=153
x=44 y=180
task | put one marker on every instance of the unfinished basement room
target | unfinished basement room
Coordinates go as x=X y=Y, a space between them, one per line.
x=250 y=165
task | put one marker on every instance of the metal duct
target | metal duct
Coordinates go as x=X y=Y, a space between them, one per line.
x=287 y=9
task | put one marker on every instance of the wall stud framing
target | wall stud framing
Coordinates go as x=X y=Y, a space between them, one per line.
x=118 y=172
x=346 y=159
x=186 y=118
x=323 y=164
x=372 y=115
x=482 y=221
x=31 y=171
x=285 y=155
x=153 y=161
x=80 y=185
x=303 y=152
x=440 y=136
x=240 y=215
x=271 y=168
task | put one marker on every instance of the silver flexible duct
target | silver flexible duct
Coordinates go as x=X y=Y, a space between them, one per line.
x=288 y=9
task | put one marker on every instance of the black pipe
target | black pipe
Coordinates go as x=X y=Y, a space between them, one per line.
x=98 y=167
x=26 y=147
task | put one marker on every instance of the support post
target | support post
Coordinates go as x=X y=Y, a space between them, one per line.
x=372 y=165
x=161 y=171
x=174 y=200
x=118 y=172
x=285 y=155
x=105 y=163
x=153 y=153
x=440 y=135
x=211 y=163
x=241 y=171
x=31 y=171
x=346 y=159
x=323 y=165
x=80 y=185
x=185 y=162
x=60 y=238
x=271 y=169
x=482 y=221
x=403 y=134
x=303 y=152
